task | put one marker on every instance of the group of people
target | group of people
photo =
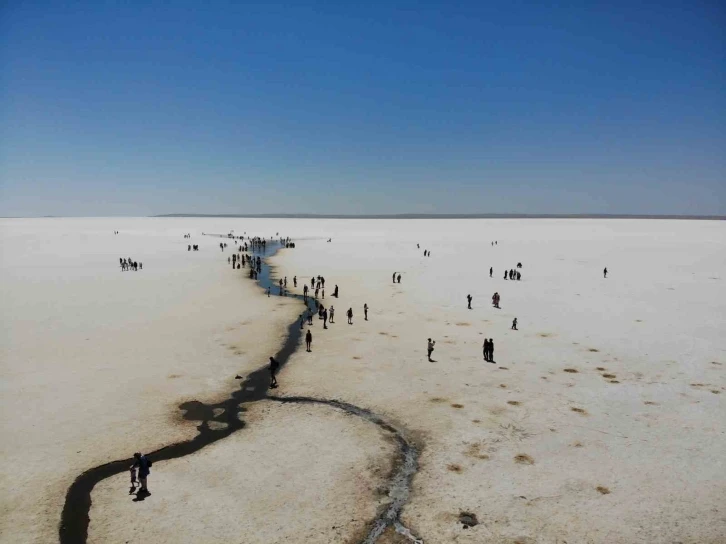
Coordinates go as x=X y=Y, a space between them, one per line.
x=317 y=283
x=513 y=275
x=488 y=350
x=195 y=247
x=129 y=264
x=396 y=277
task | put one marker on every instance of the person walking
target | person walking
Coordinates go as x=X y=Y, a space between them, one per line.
x=605 y=273
x=309 y=341
x=485 y=349
x=274 y=367
x=365 y=311
x=514 y=324
x=143 y=464
x=430 y=348
x=350 y=316
x=468 y=299
x=491 y=350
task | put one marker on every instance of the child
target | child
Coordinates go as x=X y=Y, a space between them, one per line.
x=134 y=481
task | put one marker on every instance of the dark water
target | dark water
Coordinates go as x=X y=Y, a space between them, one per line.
x=74 y=523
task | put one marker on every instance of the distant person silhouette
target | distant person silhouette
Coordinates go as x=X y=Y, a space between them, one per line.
x=491 y=271
x=399 y=278
x=605 y=273
x=274 y=366
x=332 y=314
x=468 y=299
x=430 y=348
x=309 y=341
x=294 y=281
x=514 y=324
x=365 y=311
x=350 y=316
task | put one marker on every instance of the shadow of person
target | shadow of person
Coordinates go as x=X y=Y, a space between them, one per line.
x=141 y=496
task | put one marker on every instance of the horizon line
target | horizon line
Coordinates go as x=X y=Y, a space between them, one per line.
x=397 y=216
x=449 y=216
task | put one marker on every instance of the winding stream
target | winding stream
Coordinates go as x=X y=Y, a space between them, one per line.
x=73 y=528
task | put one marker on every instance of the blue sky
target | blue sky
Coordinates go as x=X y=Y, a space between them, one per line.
x=374 y=107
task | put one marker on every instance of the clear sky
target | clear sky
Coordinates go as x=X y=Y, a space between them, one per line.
x=139 y=108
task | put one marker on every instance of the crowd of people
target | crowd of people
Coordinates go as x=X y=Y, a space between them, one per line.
x=130 y=264
x=140 y=469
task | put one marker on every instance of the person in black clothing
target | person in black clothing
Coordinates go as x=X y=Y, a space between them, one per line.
x=325 y=318
x=491 y=350
x=365 y=311
x=491 y=271
x=335 y=292
x=144 y=465
x=505 y=274
x=350 y=316
x=485 y=349
x=294 y=281
x=309 y=341
x=514 y=324
x=605 y=273
x=430 y=347
x=468 y=299
x=274 y=367
x=399 y=278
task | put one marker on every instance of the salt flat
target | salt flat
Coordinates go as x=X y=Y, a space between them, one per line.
x=603 y=419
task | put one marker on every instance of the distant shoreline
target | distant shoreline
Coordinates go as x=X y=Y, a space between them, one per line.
x=393 y=216
x=449 y=216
